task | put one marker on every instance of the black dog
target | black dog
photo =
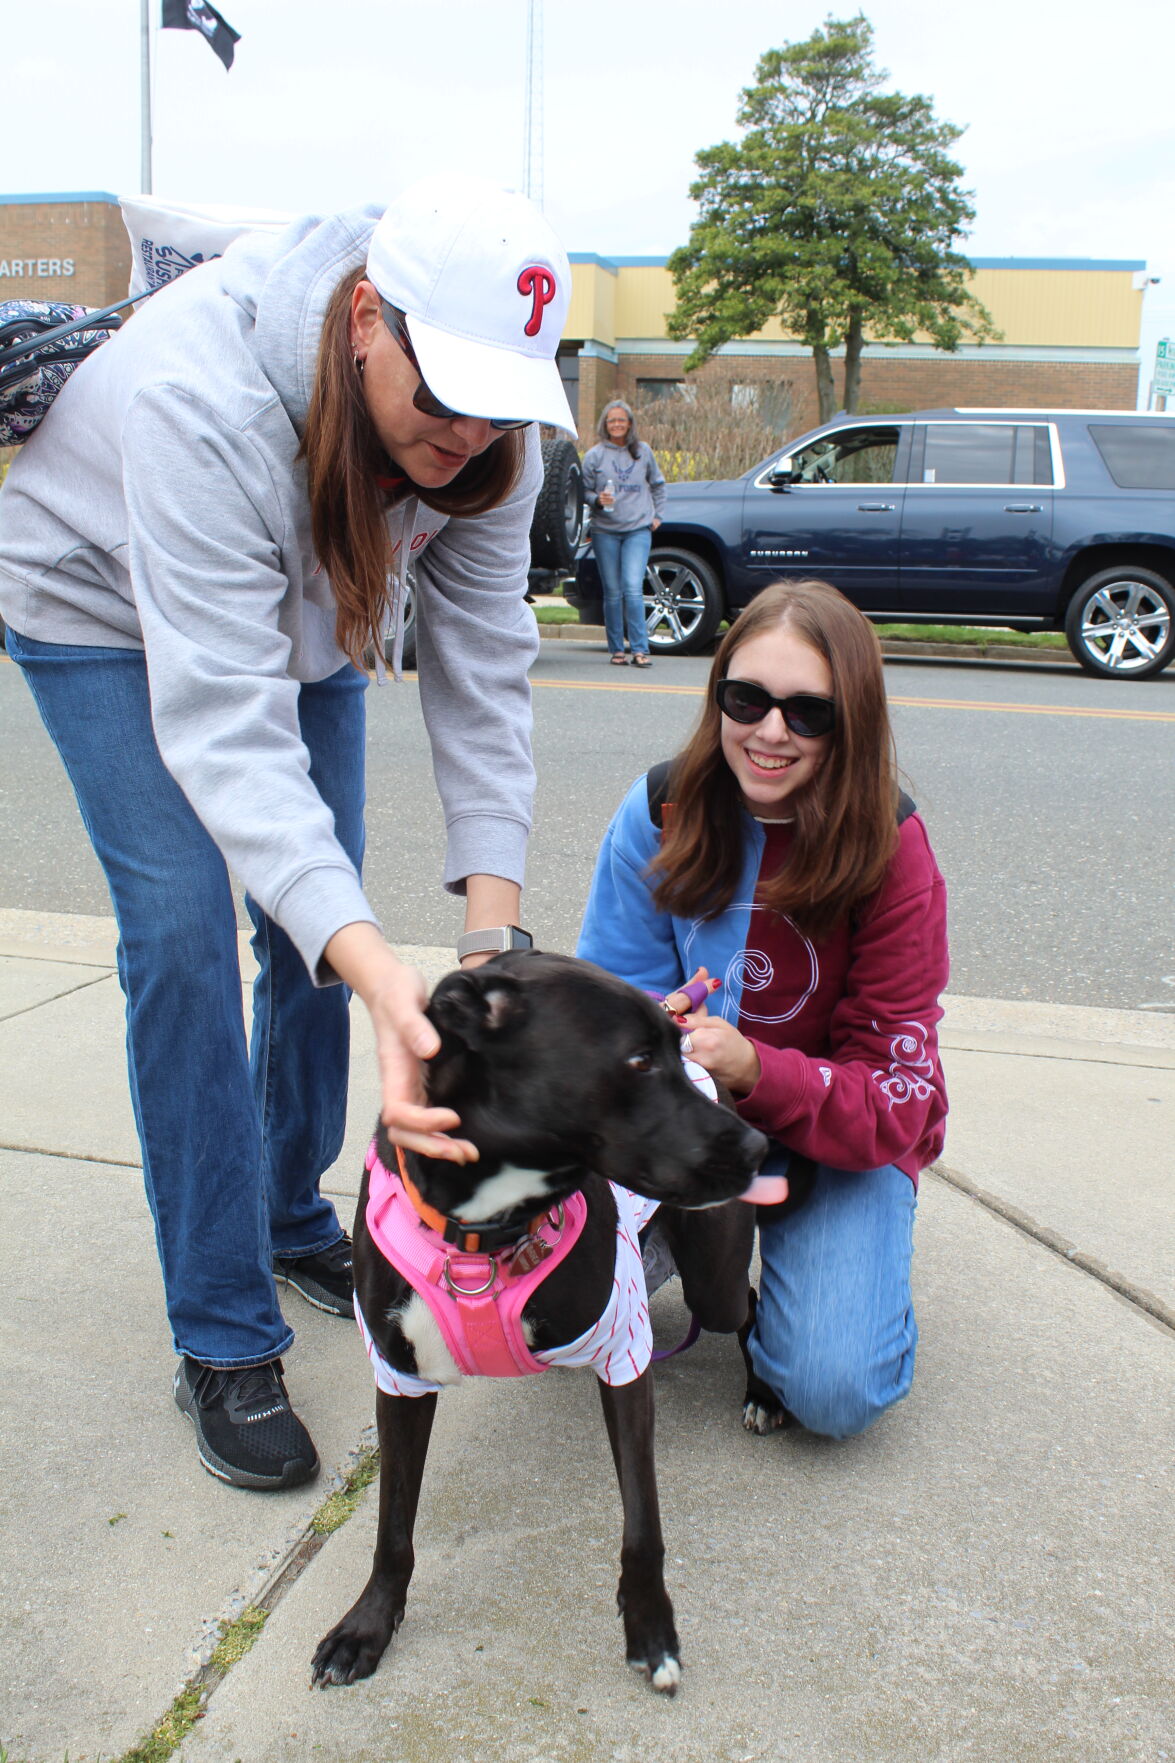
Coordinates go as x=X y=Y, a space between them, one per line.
x=565 y=1079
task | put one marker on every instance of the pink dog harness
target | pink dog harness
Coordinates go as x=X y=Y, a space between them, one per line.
x=477 y=1298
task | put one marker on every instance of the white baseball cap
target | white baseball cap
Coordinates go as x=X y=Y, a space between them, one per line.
x=484 y=285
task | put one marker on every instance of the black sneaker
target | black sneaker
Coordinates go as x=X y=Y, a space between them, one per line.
x=324 y=1280
x=246 y=1431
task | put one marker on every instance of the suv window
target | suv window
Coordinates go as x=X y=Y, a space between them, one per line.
x=986 y=453
x=1137 y=456
x=858 y=456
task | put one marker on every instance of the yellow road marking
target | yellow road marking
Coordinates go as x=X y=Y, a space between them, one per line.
x=630 y=685
x=1039 y=709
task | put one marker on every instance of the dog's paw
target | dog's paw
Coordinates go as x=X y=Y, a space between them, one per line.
x=350 y=1651
x=763 y=1414
x=664 y=1673
x=761 y=1420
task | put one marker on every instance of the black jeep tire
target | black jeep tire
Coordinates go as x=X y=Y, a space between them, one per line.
x=683 y=601
x=558 y=514
x=1120 y=623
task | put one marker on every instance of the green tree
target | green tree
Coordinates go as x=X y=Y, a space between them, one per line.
x=837 y=212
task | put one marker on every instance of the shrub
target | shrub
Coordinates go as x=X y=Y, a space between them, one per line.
x=702 y=432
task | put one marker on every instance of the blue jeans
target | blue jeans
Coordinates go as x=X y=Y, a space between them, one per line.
x=234 y=1137
x=621 y=558
x=834 y=1333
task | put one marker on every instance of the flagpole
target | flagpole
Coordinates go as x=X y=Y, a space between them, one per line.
x=145 y=96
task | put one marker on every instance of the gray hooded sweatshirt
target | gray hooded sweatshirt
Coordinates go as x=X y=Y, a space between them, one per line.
x=161 y=506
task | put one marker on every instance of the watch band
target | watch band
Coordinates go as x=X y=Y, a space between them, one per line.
x=496 y=941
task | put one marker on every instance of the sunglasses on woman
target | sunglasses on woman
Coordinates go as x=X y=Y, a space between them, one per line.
x=422 y=398
x=805 y=714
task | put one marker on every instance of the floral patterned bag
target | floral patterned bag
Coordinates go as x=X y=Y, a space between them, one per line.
x=41 y=343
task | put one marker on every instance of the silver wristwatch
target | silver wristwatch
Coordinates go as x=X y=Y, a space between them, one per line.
x=493 y=942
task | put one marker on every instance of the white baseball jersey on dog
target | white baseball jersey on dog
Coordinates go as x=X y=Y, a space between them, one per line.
x=618 y=1346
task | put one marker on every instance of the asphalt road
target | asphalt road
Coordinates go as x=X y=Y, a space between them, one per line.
x=1048 y=796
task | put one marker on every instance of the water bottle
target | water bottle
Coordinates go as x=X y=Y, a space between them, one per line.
x=610 y=490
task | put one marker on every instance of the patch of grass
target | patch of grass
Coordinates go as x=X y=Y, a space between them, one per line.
x=171 y=1731
x=956 y=633
x=165 y=1739
x=339 y=1507
x=237 y=1638
x=973 y=636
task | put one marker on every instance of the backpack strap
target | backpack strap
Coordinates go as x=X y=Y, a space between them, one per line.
x=657 y=785
x=906 y=806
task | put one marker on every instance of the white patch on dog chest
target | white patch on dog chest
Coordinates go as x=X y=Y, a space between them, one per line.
x=418 y=1325
x=510 y=1188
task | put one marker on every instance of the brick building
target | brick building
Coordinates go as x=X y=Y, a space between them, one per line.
x=1069 y=334
x=71 y=248
x=1069 y=326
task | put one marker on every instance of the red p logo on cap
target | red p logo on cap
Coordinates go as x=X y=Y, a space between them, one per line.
x=539 y=283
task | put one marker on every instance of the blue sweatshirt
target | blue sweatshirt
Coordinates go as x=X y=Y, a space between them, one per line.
x=846 y=1028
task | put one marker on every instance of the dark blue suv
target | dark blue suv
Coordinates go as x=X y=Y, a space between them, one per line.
x=1037 y=520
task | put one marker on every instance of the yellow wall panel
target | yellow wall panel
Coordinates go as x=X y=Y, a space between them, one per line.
x=592 y=309
x=1062 y=308
x=1059 y=308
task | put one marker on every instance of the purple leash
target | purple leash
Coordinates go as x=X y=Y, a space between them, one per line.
x=694 y=1330
x=697 y=992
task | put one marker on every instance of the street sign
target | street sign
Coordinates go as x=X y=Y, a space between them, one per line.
x=1164 y=367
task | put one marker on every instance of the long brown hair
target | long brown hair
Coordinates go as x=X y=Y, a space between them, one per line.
x=344 y=461
x=845 y=819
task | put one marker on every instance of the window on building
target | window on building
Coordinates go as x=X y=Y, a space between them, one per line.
x=986 y=453
x=1138 y=456
x=653 y=391
x=745 y=397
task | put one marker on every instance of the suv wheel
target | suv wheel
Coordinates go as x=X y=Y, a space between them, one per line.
x=558 y=514
x=1121 y=623
x=683 y=602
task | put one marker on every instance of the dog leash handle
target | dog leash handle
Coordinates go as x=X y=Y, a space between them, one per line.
x=692 y=1333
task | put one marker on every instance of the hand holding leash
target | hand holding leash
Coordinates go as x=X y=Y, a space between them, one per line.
x=692 y=996
x=727 y=1055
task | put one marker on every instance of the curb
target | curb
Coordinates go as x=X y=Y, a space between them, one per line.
x=1018 y=1026
x=894 y=648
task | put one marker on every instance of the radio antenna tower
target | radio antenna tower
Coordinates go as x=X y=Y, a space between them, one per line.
x=532 y=145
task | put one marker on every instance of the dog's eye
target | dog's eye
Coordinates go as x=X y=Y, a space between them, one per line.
x=640 y=1062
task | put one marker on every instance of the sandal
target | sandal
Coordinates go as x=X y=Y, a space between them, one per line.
x=642 y=661
x=619 y=660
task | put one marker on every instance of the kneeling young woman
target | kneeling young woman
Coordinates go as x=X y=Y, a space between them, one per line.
x=790 y=867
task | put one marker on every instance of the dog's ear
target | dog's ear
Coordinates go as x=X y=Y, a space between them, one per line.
x=469 y=1007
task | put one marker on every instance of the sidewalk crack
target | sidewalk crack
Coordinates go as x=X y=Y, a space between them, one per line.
x=68 y=992
x=1142 y=1299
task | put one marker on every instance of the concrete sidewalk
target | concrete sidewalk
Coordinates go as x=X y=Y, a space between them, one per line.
x=986 y=1575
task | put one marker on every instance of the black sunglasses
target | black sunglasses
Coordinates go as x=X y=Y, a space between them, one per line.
x=422 y=398
x=805 y=715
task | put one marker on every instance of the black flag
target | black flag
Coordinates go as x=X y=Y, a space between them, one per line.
x=197 y=15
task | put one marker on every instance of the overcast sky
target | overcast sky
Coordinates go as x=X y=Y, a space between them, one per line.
x=1069 y=149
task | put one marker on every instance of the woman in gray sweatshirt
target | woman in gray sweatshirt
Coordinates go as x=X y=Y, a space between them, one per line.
x=625 y=491
x=206 y=531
